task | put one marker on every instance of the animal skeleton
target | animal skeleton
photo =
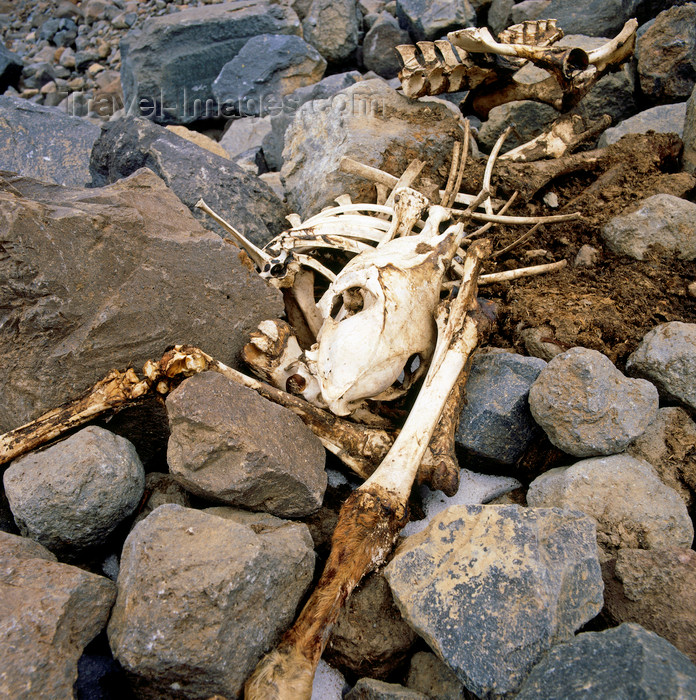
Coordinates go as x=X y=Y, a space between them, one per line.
x=398 y=259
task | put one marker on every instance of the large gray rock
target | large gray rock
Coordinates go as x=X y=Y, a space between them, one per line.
x=201 y=598
x=74 y=494
x=528 y=119
x=657 y=589
x=95 y=279
x=44 y=142
x=587 y=407
x=528 y=10
x=168 y=68
x=274 y=142
x=492 y=588
x=689 y=135
x=590 y=17
x=669 y=444
x=331 y=26
x=378 y=52
x=624 y=495
x=662 y=221
x=432 y=19
x=245 y=134
x=370 y=638
x=666 y=54
x=667 y=357
x=371 y=123
x=269 y=67
x=231 y=445
x=496 y=424
x=664 y=119
x=193 y=173
x=623 y=662
x=49 y=612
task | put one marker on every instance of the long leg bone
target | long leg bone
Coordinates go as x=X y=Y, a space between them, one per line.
x=371 y=518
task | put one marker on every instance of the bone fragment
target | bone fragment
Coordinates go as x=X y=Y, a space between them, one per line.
x=408 y=206
x=371 y=518
x=521 y=272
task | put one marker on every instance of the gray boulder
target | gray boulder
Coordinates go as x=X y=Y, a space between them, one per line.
x=49 y=612
x=623 y=662
x=626 y=498
x=528 y=10
x=666 y=54
x=169 y=66
x=689 y=135
x=496 y=424
x=378 y=52
x=245 y=134
x=201 y=598
x=432 y=19
x=528 y=119
x=590 y=17
x=667 y=357
x=370 y=638
x=371 y=123
x=499 y=13
x=231 y=445
x=10 y=69
x=73 y=495
x=664 y=119
x=331 y=26
x=274 y=142
x=662 y=221
x=193 y=173
x=492 y=588
x=100 y=278
x=44 y=142
x=587 y=407
x=269 y=67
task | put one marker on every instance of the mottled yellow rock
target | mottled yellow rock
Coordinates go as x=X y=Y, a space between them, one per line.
x=200 y=140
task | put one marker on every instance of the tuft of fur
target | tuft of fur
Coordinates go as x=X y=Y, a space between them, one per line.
x=283 y=674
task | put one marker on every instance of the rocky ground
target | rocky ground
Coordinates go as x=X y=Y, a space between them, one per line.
x=159 y=552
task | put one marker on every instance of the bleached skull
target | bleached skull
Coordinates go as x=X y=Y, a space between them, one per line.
x=379 y=330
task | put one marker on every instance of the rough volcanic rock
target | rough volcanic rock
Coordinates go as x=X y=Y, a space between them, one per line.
x=378 y=52
x=104 y=278
x=667 y=357
x=626 y=498
x=274 y=142
x=663 y=119
x=623 y=662
x=669 y=444
x=370 y=638
x=231 y=445
x=587 y=407
x=169 y=67
x=49 y=612
x=200 y=599
x=496 y=424
x=432 y=19
x=193 y=173
x=269 y=67
x=73 y=495
x=655 y=588
x=331 y=26
x=667 y=64
x=22 y=548
x=663 y=221
x=433 y=677
x=590 y=17
x=491 y=588
x=44 y=142
x=371 y=123
x=689 y=135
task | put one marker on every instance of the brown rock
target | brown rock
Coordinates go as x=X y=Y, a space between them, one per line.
x=370 y=638
x=657 y=589
x=13 y=546
x=434 y=678
x=48 y=613
x=109 y=277
x=231 y=445
x=160 y=489
x=669 y=444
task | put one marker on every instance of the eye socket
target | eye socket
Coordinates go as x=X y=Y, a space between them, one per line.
x=351 y=302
